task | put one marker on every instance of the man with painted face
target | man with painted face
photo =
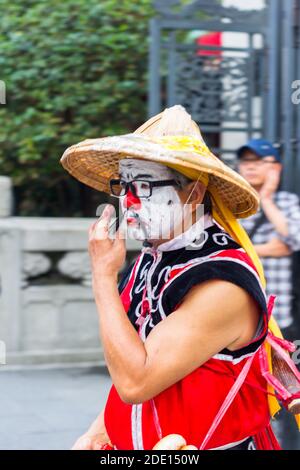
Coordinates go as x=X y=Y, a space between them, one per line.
x=154 y=206
x=184 y=332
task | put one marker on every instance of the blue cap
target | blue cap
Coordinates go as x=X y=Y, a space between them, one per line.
x=261 y=147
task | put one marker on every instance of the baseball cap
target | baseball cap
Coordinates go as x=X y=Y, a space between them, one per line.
x=261 y=147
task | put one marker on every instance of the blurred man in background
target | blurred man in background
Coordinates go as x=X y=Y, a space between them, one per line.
x=275 y=228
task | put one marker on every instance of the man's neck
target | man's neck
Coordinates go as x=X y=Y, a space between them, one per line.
x=155 y=243
x=206 y=221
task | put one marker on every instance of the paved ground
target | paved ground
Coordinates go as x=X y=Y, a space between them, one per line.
x=50 y=408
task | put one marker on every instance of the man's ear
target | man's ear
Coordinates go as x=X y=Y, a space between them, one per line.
x=195 y=192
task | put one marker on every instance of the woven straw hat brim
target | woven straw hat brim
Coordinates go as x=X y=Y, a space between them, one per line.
x=95 y=161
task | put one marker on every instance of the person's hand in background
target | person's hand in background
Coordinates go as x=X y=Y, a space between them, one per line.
x=271 y=183
x=272 y=212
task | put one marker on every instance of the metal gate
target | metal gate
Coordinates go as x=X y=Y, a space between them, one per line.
x=239 y=88
x=284 y=97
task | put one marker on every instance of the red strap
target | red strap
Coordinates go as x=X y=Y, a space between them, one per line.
x=228 y=400
x=156 y=419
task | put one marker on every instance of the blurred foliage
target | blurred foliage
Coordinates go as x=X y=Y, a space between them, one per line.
x=73 y=70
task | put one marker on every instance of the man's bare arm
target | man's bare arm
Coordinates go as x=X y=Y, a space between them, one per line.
x=214 y=315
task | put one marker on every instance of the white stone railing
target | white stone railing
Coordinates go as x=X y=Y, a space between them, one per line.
x=47 y=309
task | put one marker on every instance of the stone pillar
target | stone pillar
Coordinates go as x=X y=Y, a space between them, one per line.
x=10 y=277
x=6 y=196
x=47 y=308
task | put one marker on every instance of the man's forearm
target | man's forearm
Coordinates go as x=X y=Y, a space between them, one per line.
x=98 y=426
x=275 y=248
x=124 y=351
x=275 y=216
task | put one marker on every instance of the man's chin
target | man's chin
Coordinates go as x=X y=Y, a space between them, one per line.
x=136 y=233
x=254 y=181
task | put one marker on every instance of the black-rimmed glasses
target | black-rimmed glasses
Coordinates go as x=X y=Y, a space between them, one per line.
x=140 y=188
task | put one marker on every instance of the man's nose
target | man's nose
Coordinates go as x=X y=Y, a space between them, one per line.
x=252 y=166
x=131 y=201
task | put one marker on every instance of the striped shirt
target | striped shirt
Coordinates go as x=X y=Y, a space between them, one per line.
x=278 y=271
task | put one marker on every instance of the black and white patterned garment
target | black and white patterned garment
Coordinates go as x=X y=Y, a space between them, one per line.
x=278 y=271
x=161 y=277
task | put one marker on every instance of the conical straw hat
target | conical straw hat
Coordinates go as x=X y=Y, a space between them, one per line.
x=174 y=139
x=171 y=138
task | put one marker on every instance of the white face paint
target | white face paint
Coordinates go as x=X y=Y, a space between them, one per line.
x=153 y=218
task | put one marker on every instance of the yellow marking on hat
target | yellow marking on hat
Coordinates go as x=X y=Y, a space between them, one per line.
x=183 y=143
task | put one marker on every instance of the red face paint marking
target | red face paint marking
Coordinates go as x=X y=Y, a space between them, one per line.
x=131 y=201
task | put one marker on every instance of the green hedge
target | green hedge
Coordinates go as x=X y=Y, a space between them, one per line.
x=73 y=70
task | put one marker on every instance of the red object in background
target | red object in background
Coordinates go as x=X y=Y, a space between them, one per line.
x=210 y=39
x=106 y=447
